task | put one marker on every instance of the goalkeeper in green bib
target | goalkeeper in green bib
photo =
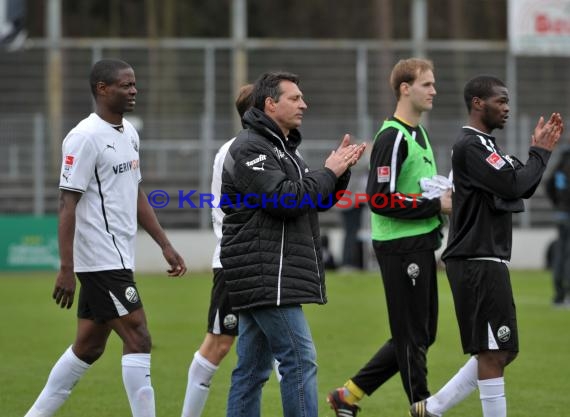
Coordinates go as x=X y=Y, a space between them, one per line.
x=405 y=234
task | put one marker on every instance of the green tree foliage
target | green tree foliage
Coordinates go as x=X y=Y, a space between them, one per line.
x=347 y=19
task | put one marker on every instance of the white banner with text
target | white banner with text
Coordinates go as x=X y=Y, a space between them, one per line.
x=539 y=27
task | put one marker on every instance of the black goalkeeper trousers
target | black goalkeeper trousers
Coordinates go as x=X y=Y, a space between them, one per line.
x=410 y=285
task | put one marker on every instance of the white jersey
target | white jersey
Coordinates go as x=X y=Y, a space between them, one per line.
x=217 y=213
x=102 y=163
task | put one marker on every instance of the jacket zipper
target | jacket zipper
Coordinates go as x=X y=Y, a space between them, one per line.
x=283 y=232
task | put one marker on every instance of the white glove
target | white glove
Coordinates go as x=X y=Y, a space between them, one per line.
x=435 y=186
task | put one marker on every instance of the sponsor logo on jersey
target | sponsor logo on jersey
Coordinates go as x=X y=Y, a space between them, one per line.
x=230 y=321
x=126 y=166
x=495 y=160
x=67 y=166
x=131 y=294
x=257 y=160
x=504 y=334
x=69 y=160
x=383 y=174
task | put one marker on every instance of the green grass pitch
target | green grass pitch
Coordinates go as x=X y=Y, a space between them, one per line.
x=347 y=331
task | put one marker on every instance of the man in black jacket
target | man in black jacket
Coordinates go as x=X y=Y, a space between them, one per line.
x=558 y=190
x=271 y=250
x=488 y=186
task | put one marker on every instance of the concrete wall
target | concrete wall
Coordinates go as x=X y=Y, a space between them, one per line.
x=529 y=249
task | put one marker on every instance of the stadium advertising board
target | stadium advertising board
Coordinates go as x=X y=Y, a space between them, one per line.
x=28 y=243
x=539 y=27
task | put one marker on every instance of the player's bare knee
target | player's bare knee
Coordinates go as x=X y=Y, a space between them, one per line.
x=88 y=353
x=138 y=340
x=223 y=347
x=144 y=342
x=138 y=346
x=511 y=356
x=504 y=358
x=494 y=359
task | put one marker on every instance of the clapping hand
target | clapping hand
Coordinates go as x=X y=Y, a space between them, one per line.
x=547 y=134
x=345 y=156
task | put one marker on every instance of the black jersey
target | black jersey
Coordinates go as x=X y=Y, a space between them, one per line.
x=488 y=186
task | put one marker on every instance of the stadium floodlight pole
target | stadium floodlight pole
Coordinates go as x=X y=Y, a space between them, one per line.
x=419 y=19
x=54 y=81
x=39 y=165
x=207 y=147
x=361 y=93
x=3 y=15
x=419 y=27
x=239 y=53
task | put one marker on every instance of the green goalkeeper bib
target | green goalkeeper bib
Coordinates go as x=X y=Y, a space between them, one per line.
x=420 y=163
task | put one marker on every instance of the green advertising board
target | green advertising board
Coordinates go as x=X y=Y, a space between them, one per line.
x=28 y=243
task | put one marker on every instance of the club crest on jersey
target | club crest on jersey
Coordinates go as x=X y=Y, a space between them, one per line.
x=504 y=334
x=280 y=154
x=510 y=160
x=135 y=146
x=383 y=174
x=495 y=160
x=413 y=272
x=230 y=321
x=131 y=295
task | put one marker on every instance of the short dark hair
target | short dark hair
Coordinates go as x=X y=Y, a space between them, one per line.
x=106 y=71
x=244 y=99
x=267 y=85
x=480 y=86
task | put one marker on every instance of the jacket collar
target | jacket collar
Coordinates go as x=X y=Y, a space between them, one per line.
x=477 y=131
x=263 y=124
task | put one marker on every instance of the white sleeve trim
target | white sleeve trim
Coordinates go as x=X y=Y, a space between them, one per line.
x=394 y=162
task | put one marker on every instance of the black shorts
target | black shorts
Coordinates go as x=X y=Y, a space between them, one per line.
x=484 y=305
x=106 y=295
x=221 y=319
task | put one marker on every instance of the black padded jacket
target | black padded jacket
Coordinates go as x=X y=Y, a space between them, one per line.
x=271 y=246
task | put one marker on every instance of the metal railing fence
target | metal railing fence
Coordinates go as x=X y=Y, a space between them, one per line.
x=185 y=104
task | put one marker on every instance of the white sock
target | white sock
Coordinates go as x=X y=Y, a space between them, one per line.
x=62 y=378
x=276 y=369
x=136 y=378
x=456 y=390
x=200 y=375
x=492 y=394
